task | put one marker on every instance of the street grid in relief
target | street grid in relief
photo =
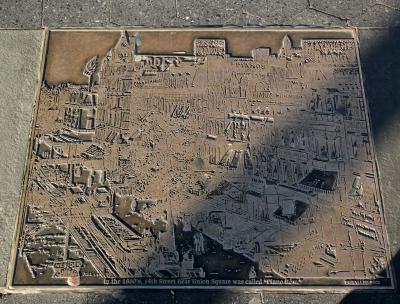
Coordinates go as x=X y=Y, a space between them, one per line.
x=205 y=169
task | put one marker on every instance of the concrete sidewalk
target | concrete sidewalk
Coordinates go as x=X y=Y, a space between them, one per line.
x=378 y=25
x=34 y=14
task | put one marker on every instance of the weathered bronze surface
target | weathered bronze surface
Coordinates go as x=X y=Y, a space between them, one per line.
x=188 y=164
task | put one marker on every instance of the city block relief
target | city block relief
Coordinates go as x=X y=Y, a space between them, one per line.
x=205 y=170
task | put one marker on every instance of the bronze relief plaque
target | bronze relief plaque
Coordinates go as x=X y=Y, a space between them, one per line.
x=199 y=158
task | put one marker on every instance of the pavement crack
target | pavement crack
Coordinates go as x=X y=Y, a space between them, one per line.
x=311 y=7
x=327 y=13
x=387 y=6
x=109 y=12
x=247 y=13
x=291 y=18
x=176 y=9
x=262 y=298
x=42 y=13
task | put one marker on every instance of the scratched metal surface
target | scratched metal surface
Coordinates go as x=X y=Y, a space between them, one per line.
x=198 y=168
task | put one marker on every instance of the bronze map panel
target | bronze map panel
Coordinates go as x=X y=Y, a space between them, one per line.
x=200 y=166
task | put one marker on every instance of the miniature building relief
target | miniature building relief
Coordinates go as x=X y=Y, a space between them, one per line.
x=205 y=169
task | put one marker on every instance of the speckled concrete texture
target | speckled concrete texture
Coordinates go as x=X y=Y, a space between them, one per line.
x=75 y=13
x=44 y=298
x=158 y=13
x=19 y=64
x=19 y=69
x=142 y=12
x=21 y=14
